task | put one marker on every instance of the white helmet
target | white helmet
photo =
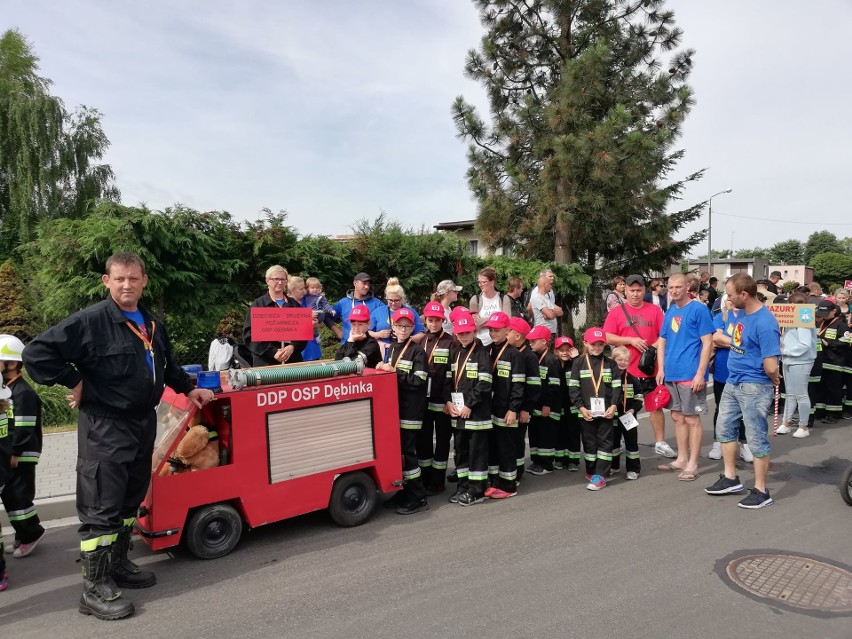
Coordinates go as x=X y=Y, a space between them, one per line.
x=10 y=348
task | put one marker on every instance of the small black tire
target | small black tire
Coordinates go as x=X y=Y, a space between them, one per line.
x=846 y=486
x=213 y=531
x=353 y=499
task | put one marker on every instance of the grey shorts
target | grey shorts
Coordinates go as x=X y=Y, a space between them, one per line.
x=686 y=402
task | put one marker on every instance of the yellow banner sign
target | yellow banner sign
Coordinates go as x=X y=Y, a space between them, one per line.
x=793 y=315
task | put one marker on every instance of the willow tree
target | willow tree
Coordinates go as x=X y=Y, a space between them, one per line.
x=48 y=157
x=587 y=98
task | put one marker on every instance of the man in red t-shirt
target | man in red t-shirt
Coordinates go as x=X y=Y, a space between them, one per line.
x=648 y=320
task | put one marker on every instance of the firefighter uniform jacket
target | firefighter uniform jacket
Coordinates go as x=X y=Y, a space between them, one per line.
x=551 y=392
x=5 y=444
x=26 y=434
x=582 y=387
x=532 y=379
x=470 y=375
x=631 y=395
x=832 y=344
x=507 y=387
x=368 y=348
x=564 y=386
x=409 y=360
x=437 y=347
x=111 y=358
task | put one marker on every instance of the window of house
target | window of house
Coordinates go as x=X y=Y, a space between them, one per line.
x=474 y=247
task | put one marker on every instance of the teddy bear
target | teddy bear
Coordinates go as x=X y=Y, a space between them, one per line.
x=194 y=452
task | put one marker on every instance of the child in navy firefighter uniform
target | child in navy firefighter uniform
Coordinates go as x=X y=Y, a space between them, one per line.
x=5 y=468
x=518 y=329
x=359 y=343
x=408 y=360
x=596 y=392
x=507 y=397
x=437 y=344
x=631 y=402
x=832 y=346
x=26 y=436
x=467 y=397
x=568 y=432
x=548 y=411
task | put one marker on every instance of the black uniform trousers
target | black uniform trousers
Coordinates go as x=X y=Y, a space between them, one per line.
x=502 y=450
x=410 y=468
x=435 y=424
x=18 y=496
x=831 y=391
x=520 y=449
x=471 y=460
x=542 y=441
x=568 y=437
x=631 y=447
x=597 y=445
x=113 y=473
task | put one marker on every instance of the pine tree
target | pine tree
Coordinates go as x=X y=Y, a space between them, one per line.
x=584 y=116
x=48 y=156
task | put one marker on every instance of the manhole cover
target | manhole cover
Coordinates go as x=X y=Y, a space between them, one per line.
x=799 y=582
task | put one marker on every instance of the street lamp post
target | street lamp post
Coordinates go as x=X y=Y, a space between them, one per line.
x=710 y=230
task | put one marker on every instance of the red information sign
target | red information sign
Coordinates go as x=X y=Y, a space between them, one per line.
x=285 y=324
x=848 y=285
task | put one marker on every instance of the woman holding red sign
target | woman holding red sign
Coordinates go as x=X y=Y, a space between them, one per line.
x=273 y=353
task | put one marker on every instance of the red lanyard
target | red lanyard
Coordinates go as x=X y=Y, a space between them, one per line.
x=401 y=353
x=497 y=359
x=149 y=343
x=437 y=339
x=459 y=371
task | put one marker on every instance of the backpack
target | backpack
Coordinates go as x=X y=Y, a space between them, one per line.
x=519 y=309
x=220 y=355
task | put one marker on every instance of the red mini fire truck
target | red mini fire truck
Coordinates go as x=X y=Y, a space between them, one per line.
x=285 y=449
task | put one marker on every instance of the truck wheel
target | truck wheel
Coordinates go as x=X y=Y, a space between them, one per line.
x=846 y=486
x=353 y=499
x=213 y=531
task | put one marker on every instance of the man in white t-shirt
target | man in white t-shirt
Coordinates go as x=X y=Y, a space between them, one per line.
x=544 y=308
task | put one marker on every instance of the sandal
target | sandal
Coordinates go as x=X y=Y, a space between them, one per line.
x=687 y=475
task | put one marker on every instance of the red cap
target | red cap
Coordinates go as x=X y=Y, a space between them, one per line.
x=561 y=341
x=657 y=399
x=456 y=310
x=403 y=313
x=433 y=309
x=594 y=335
x=463 y=323
x=539 y=332
x=360 y=314
x=498 y=319
x=520 y=325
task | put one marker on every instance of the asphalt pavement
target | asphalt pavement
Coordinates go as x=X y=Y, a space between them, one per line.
x=638 y=559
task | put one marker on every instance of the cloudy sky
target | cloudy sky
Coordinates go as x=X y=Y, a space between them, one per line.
x=335 y=111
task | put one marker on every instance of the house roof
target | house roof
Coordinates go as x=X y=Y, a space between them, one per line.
x=455 y=226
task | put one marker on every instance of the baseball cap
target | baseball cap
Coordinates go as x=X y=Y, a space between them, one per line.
x=824 y=308
x=360 y=314
x=497 y=319
x=433 y=309
x=634 y=279
x=463 y=323
x=458 y=310
x=657 y=399
x=539 y=332
x=446 y=286
x=362 y=277
x=520 y=325
x=594 y=335
x=562 y=341
x=403 y=313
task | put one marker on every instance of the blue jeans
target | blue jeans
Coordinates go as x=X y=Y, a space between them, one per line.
x=751 y=402
x=796 y=388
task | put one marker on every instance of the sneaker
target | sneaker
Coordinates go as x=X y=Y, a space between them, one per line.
x=4 y=581
x=490 y=490
x=632 y=475
x=401 y=498
x=558 y=465
x=662 y=448
x=845 y=415
x=716 y=451
x=25 y=549
x=10 y=548
x=497 y=493
x=801 y=432
x=454 y=498
x=829 y=419
x=588 y=477
x=596 y=483
x=453 y=477
x=783 y=430
x=612 y=472
x=414 y=506
x=466 y=499
x=745 y=454
x=756 y=499
x=573 y=468
x=725 y=486
x=535 y=469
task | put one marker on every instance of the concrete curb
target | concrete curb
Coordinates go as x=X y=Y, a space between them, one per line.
x=49 y=508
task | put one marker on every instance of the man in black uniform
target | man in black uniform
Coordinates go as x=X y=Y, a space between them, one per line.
x=116 y=359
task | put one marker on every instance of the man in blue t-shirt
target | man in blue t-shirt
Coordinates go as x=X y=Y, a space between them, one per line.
x=683 y=355
x=752 y=378
x=360 y=294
